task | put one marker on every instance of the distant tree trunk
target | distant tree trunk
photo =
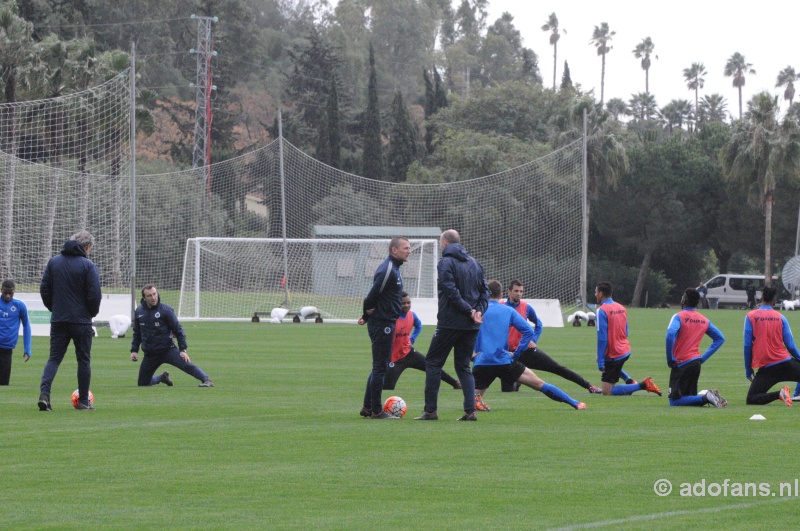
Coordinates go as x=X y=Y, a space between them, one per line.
x=724 y=259
x=83 y=168
x=334 y=132
x=56 y=142
x=636 y=302
x=768 y=237
x=114 y=243
x=602 y=78
x=372 y=165
x=555 y=55
x=430 y=108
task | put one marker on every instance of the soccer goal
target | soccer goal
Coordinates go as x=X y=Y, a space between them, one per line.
x=239 y=278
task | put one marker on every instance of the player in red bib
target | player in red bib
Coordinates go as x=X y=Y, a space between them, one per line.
x=535 y=358
x=613 y=348
x=769 y=348
x=685 y=331
x=404 y=355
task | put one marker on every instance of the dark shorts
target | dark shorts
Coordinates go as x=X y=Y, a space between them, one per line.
x=683 y=379
x=613 y=369
x=486 y=374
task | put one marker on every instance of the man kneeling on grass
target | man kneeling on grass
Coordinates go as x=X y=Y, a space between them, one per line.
x=492 y=360
x=685 y=331
x=154 y=326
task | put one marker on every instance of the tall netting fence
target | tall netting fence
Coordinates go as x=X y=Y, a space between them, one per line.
x=65 y=165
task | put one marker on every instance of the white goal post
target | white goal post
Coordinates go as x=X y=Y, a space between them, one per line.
x=244 y=278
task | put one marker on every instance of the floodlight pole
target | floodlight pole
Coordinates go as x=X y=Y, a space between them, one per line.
x=201 y=153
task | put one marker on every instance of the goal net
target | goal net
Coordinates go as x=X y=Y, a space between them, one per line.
x=230 y=278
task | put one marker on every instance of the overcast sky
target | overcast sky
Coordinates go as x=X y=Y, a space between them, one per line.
x=767 y=33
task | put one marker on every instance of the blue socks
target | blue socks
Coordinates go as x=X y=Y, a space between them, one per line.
x=558 y=395
x=691 y=400
x=625 y=389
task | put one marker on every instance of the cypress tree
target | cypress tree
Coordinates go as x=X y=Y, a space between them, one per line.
x=566 y=80
x=440 y=94
x=402 y=141
x=334 y=132
x=323 y=140
x=430 y=108
x=372 y=161
x=430 y=95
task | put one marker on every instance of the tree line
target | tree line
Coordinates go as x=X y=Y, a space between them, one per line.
x=427 y=91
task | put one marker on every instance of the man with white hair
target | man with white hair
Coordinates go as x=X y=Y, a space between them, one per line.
x=70 y=289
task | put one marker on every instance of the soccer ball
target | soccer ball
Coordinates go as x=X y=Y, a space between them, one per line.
x=395 y=405
x=75 y=396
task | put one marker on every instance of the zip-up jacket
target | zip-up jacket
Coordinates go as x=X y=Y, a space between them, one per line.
x=462 y=288
x=154 y=328
x=70 y=286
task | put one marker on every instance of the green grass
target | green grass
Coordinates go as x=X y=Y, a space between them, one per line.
x=279 y=443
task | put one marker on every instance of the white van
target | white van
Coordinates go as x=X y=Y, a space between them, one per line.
x=729 y=290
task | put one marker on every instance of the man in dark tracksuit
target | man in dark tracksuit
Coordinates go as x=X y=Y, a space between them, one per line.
x=154 y=325
x=382 y=308
x=70 y=289
x=463 y=297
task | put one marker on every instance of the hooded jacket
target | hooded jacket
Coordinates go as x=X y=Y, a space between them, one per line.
x=70 y=286
x=462 y=288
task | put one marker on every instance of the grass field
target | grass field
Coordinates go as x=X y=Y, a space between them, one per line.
x=279 y=444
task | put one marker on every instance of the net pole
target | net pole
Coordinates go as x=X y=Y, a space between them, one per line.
x=133 y=177
x=585 y=217
x=198 y=242
x=283 y=213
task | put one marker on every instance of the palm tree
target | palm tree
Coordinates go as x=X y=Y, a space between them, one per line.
x=695 y=79
x=786 y=77
x=713 y=108
x=642 y=105
x=617 y=107
x=737 y=67
x=677 y=112
x=552 y=26
x=643 y=51
x=601 y=36
x=761 y=152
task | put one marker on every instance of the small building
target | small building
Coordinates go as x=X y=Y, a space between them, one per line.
x=354 y=262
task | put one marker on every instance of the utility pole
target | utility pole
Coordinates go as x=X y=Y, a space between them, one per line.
x=201 y=154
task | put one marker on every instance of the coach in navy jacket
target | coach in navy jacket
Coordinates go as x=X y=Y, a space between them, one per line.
x=70 y=286
x=70 y=289
x=462 y=289
x=463 y=297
